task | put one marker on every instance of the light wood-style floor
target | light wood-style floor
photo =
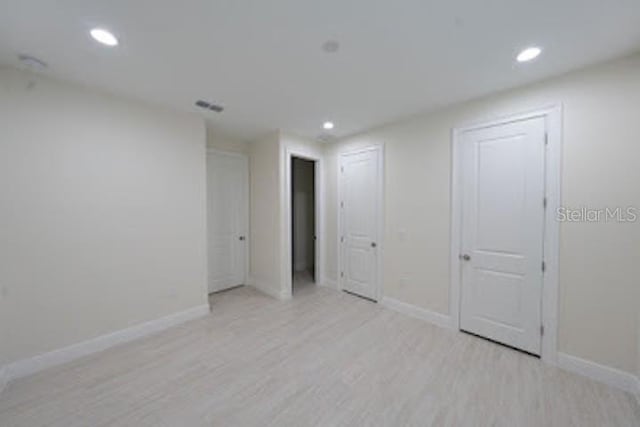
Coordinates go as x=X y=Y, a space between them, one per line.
x=324 y=358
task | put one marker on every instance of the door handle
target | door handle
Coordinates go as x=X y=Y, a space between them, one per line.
x=465 y=257
x=374 y=244
x=241 y=238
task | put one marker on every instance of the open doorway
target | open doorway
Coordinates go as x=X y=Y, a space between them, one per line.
x=303 y=223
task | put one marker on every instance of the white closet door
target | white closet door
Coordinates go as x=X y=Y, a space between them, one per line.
x=361 y=193
x=502 y=232
x=227 y=202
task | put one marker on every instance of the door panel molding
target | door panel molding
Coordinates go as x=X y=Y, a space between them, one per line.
x=379 y=249
x=553 y=154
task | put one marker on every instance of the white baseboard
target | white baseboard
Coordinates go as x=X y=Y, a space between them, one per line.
x=263 y=287
x=38 y=363
x=433 y=317
x=605 y=374
x=610 y=376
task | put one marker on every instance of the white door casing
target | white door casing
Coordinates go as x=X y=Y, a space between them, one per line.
x=503 y=219
x=227 y=217
x=315 y=155
x=360 y=181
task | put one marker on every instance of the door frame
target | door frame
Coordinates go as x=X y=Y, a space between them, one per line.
x=316 y=158
x=553 y=169
x=247 y=252
x=379 y=147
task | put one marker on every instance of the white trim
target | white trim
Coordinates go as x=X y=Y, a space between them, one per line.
x=381 y=222
x=247 y=244
x=433 y=317
x=317 y=158
x=553 y=171
x=41 y=362
x=605 y=374
x=601 y=373
x=265 y=288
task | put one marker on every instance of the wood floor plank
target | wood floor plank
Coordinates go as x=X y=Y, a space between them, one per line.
x=324 y=358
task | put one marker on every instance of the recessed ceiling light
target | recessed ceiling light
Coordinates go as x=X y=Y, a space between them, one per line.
x=103 y=36
x=529 y=54
x=327 y=125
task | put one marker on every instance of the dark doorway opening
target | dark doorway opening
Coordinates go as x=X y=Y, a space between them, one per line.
x=303 y=223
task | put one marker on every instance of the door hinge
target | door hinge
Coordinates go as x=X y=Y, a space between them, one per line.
x=546 y=138
x=544 y=202
x=544 y=266
x=342 y=274
x=341 y=239
x=541 y=330
x=342 y=169
x=341 y=204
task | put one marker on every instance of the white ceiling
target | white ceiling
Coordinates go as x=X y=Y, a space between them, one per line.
x=262 y=60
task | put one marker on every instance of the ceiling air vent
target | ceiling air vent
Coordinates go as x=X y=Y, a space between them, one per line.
x=32 y=63
x=209 y=106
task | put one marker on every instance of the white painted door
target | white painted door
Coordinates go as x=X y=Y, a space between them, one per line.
x=360 y=194
x=502 y=232
x=227 y=210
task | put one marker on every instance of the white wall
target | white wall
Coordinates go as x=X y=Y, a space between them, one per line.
x=265 y=236
x=269 y=269
x=222 y=142
x=102 y=206
x=599 y=263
